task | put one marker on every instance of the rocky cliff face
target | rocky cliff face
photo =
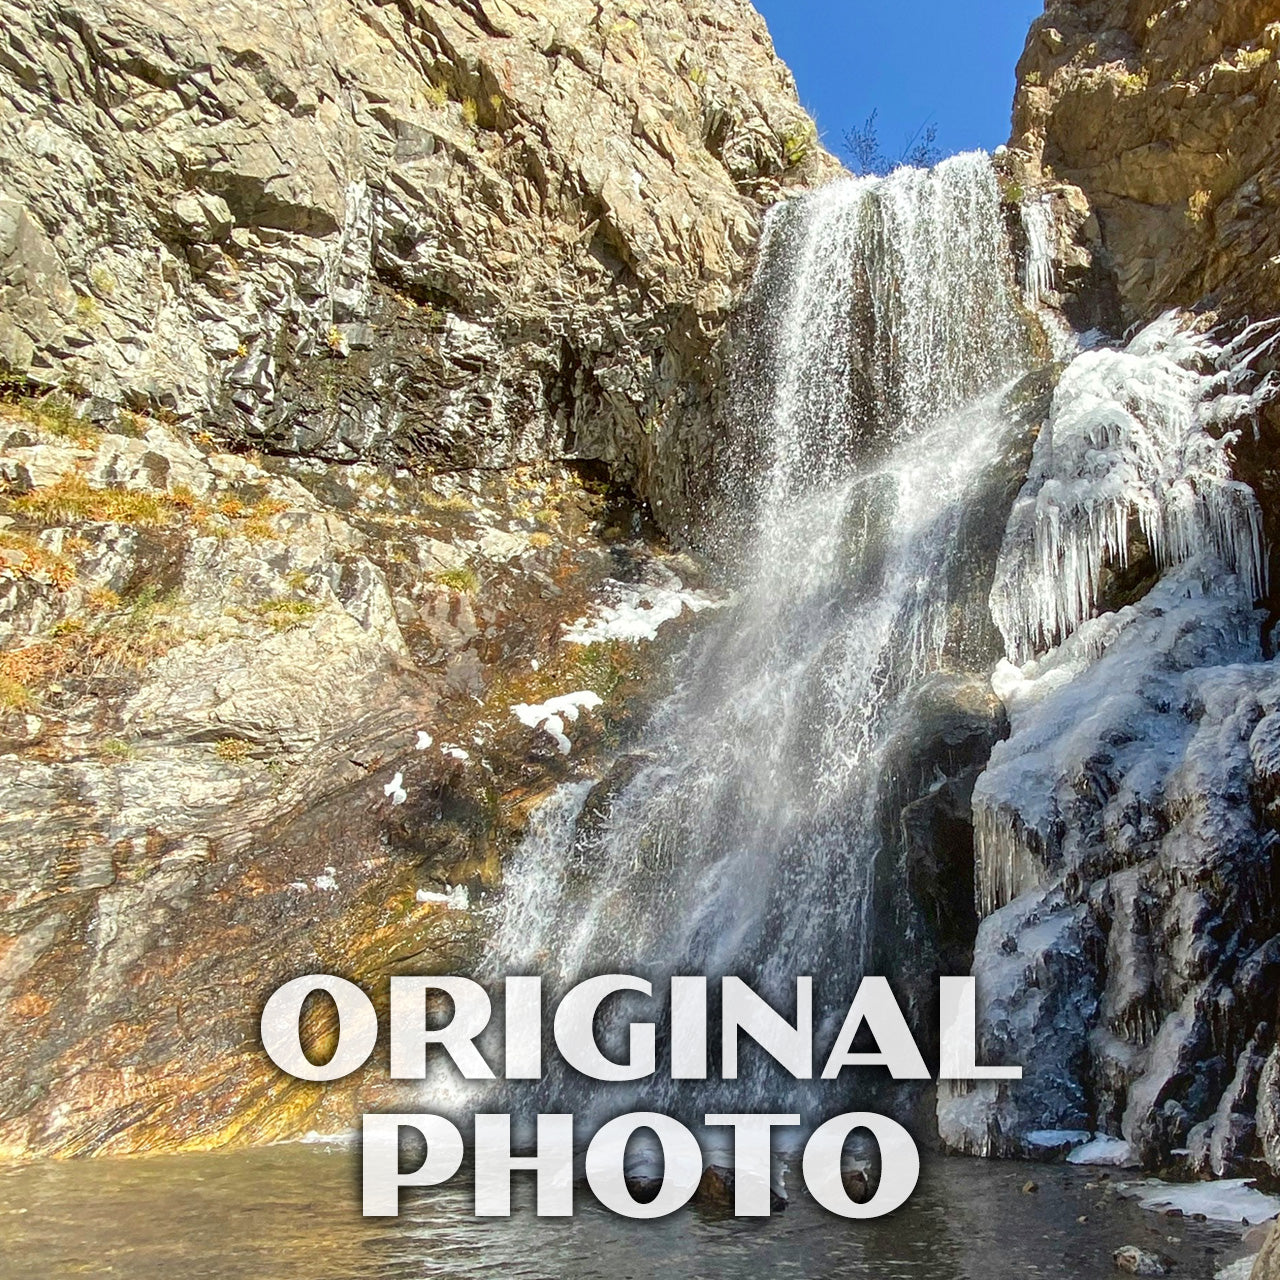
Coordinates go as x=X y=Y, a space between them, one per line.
x=518 y=228
x=1167 y=117
x=303 y=311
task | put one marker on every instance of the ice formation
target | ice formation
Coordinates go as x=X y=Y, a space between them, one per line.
x=1037 y=270
x=1133 y=434
x=1104 y=713
x=1105 y=1150
x=1227 y=1200
x=1241 y=1269
x=550 y=716
x=1051 y=1139
x=635 y=611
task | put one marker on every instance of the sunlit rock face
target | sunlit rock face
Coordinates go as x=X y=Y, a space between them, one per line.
x=333 y=291
x=448 y=234
x=1167 y=117
x=256 y=720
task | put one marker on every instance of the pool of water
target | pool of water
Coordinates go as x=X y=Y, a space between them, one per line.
x=294 y=1212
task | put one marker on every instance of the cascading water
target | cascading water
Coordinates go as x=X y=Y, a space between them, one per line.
x=744 y=839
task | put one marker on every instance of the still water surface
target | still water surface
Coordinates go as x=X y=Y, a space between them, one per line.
x=294 y=1212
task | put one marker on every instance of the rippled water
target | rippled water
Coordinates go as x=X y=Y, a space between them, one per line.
x=294 y=1212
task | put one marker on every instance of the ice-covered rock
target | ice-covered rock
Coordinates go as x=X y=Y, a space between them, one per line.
x=1227 y=1200
x=1135 y=436
x=1104 y=1150
x=1135 y=792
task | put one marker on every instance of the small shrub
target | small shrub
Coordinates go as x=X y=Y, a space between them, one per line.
x=461 y=579
x=103 y=282
x=698 y=76
x=87 y=309
x=453 y=502
x=436 y=95
x=797 y=144
x=868 y=157
x=233 y=750
x=73 y=498
x=23 y=556
x=1252 y=59
x=1198 y=206
x=116 y=750
x=14 y=695
x=1132 y=82
x=470 y=112
x=284 y=613
x=333 y=340
x=103 y=600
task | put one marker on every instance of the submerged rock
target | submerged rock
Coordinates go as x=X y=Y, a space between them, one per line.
x=1141 y=1262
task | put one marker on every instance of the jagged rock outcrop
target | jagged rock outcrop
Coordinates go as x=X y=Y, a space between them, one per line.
x=301 y=313
x=1167 y=117
x=256 y=721
x=518 y=228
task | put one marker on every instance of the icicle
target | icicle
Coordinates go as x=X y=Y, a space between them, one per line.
x=1008 y=858
x=1037 y=268
x=1127 y=440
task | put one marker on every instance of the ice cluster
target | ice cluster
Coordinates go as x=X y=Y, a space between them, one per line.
x=1135 y=437
x=634 y=611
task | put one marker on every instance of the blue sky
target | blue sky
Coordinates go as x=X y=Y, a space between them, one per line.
x=915 y=60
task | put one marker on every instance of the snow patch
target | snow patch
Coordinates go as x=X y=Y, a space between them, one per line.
x=394 y=790
x=424 y=740
x=1115 y=1152
x=550 y=716
x=634 y=611
x=456 y=898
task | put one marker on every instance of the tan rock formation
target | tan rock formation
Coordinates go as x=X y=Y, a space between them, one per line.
x=378 y=243
x=521 y=225
x=1167 y=116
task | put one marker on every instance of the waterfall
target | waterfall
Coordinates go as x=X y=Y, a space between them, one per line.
x=741 y=835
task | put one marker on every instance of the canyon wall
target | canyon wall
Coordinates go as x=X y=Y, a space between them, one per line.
x=351 y=350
